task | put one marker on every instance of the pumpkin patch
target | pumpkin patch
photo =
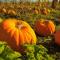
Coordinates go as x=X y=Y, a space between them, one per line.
x=29 y=30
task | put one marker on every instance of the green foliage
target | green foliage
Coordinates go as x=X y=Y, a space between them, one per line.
x=7 y=53
x=31 y=52
x=36 y=52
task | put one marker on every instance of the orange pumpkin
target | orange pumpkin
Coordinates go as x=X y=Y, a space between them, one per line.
x=11 y=12
x=44 y=27
x=36 y=11
x=57 y=37
x=45 y=11
x=16 y=33
x=4 y=10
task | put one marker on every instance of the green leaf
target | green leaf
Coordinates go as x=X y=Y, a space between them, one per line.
x=2 y=46
x=1 y=58
x=7 y=53
x=29 y=48
x=13 y=55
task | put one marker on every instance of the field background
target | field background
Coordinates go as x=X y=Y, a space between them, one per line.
x=30 y=12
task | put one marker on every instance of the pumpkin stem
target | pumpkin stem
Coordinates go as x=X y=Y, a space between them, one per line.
x=19 y=25
x=46 y=21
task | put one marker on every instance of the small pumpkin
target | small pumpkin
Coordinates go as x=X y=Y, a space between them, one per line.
x=44 y=27
x=45 y=11
x=4 y=10
x=16 y=33
x=11 y=12
x=36 y=11
x=57 y=37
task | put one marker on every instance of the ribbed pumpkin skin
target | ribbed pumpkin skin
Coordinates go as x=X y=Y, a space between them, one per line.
x=57 y=37
x=44 y=27
x=16 y=33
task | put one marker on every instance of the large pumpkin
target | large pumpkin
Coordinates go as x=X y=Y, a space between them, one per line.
x=44 y=27
x=16 y=33
x=57 y=37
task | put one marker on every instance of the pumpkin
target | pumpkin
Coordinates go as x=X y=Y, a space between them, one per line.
x=45 y=11
x=4 y=10
x=44 y=27
x=17 y=33
x=11 y=12
x=57 y=37
x=36 y=11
